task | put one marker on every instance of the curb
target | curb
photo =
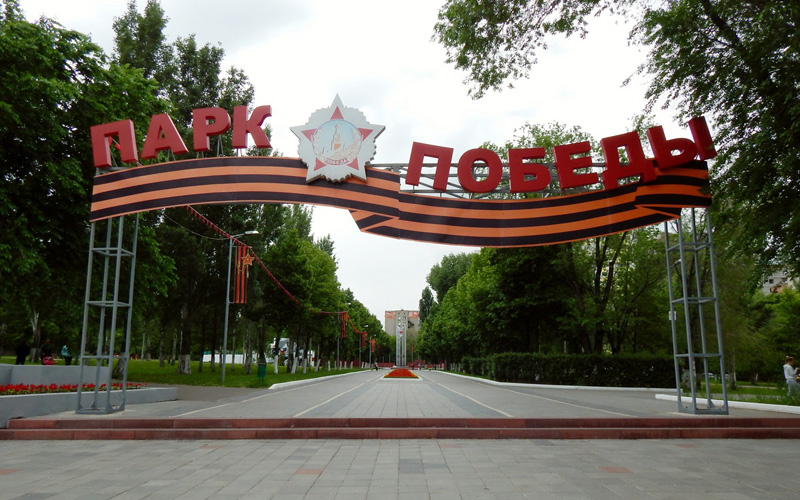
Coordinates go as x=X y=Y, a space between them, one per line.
x=569 y=387
x=739 y=404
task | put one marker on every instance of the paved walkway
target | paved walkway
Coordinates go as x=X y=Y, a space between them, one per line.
x=402 y=469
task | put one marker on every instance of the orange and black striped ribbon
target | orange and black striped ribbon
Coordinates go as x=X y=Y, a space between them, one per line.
x=242 y=273
x=380 y=207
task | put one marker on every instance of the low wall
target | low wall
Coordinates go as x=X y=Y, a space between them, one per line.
x=34 y=405
x=50 y=374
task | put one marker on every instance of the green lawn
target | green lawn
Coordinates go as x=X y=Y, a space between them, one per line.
x=768 y=394
x=151 y=373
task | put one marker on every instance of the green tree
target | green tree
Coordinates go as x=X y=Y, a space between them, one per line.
x=736 y=61
x=426 y=303
x=444 y=275
x=188 y=76
x=55 y=86
x=140 y=41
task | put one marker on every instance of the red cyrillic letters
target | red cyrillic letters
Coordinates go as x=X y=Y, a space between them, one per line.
x=702 y=137
x=523 y=177
x=566 y=165
x=663 y=149
x=518 y=170
x=638 y=163
x=242 y=125
x=123 y=129
x=162 y=135
x=207 y=122
x=444 y=157
x=493 y=164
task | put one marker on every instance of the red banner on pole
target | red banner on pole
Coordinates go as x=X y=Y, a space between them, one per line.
x=243 y=263
x=344 y=317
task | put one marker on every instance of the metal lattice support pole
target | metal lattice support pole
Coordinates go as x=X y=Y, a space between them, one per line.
x=105 y=309
x=693 y=304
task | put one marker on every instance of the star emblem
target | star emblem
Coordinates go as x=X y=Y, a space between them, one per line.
x=337 y=142
x=247 y=262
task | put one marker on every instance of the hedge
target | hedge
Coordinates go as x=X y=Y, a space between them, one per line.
x=624 y=370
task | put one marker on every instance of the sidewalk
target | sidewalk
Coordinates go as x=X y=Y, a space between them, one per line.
x=407 y=469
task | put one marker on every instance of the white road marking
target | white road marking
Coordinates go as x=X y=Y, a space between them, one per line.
x=564 y=403
x=475 y=400
x=202 y=409
x=326 y=402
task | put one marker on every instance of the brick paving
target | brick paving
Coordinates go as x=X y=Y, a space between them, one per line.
x=403 y=469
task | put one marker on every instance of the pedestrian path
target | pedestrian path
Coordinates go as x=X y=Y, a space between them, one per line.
x=285 y=467
x=400 y=469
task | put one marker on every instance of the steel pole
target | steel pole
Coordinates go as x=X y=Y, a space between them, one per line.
x=227 y=306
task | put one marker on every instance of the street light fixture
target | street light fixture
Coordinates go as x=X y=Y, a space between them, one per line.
x=228 y=298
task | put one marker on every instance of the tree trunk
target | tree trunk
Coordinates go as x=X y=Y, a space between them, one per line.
x=248 y=350
x=36 y=330
x=119 y=368
x=185 y=364
x=161 y=350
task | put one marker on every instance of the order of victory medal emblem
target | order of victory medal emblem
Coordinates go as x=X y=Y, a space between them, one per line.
x=337 y=142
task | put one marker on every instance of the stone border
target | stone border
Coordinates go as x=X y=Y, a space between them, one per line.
x=34 y=405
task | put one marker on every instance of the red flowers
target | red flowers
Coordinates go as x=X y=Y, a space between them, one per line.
x=400 y=373
x=19 y=389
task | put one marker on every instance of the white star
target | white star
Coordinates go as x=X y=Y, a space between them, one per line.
x=337 y=142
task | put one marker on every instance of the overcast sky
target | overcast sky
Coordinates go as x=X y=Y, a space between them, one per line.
x=379 y=58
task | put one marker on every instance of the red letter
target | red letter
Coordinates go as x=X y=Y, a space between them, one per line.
x=493 y=164
x=243 y=126
x=203 y=126
x=566 y=165
x=127 y=142
x=639 y=164
x=702 y=138
x=662 y=148
x=444 y=157
x=517 y=170
x=154 y=142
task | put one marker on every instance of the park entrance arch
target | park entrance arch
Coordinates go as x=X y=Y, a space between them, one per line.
x=476 y=201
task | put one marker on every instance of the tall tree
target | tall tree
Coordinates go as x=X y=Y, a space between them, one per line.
x=56 y=85
x=444 y=275
x=188 y=76
x=140 y=41
x=735 y=60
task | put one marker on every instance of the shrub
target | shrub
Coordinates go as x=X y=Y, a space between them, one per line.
x=624 y=370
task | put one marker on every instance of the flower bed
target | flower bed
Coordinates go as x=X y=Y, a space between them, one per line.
x=400 y=373
x=18 y=389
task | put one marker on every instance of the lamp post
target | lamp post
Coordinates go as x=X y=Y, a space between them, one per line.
x=361 y=341
x=228 y=298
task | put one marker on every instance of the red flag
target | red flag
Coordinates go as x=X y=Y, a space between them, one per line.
x=243 y=263
x=344 y=316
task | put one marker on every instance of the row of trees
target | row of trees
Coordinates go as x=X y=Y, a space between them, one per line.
x=604 y=296
x=736 y=62
x=607 y=295
x=57 y=85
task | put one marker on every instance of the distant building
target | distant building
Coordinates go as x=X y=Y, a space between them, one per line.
x=403 y=325
x=778 y=281
x=393 y=319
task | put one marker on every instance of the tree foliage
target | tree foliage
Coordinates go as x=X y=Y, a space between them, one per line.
x=55 y=86
x=736 y=61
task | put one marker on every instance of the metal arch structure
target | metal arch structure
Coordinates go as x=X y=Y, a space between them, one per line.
x=109 y=304
x=694 y=312
x=384 y=205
